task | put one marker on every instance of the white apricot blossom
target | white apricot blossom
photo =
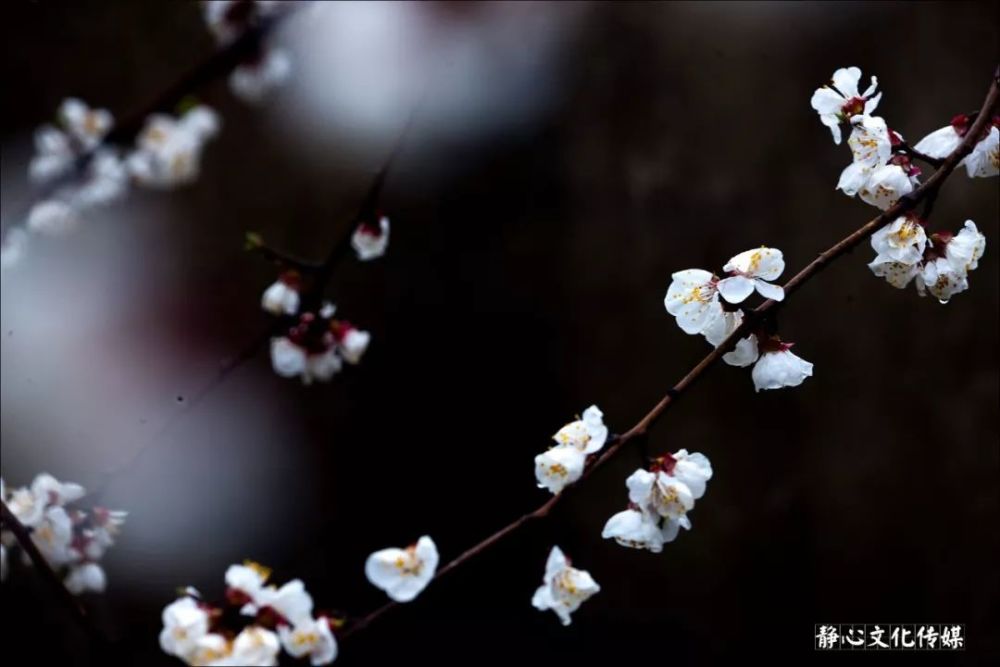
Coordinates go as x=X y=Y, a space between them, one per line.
x=85 y=125
x=352 y=343
x=287 y=358
x=778 y=367
x=254 y=647
x=54 y=536
x=282 y=297
x=984 y=160
x=185 y=622
x=587 y=434
x=559 y=467
x=245 y=584
x=86 y=577
x=839 y=102
x=657 y=493
x=719 y=329
x=903 y=240
x=966 y=248
x=895 y=273
x=312 y=638
x=941 y=279
x=403 y=573
x=693 y=298
x=252 y=81
x=52 y=216
x=371 y=241
x=13 y=246
x=564 y=587
x=870 y=146
x=291 y=601
x=634 y=529
x=168 y=150
x=753 y=269
x=886 y=184
x=942 y=142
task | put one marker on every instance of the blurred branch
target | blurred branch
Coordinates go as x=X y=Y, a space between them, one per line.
x=926 y=192
x=23 y=537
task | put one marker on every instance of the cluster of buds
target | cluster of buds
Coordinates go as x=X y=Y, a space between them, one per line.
x=693 y=298
x=266 y=67
x=565 y=461
x=659 y=501
x=564 y=588
x=939 y=263
x=403 y=573
x=316 y=344
x=251 y=626
x=71 y=540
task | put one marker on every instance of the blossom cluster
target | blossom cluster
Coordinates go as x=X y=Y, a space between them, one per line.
x=705 y=304
x=938 y=264
x=315 y=345
x=72 y=541
x=251 y=627
x=564 y=462
x=881 y=172
x=266 y=67
x=659 y=501
x=84 y=172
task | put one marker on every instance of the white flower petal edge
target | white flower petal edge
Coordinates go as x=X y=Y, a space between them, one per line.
x=587 y=434
x=403 y=573
x=940 y=143
x=313 y=638
x=564 y=588
x=371 y=243
x=559 y=467
x=780 y=368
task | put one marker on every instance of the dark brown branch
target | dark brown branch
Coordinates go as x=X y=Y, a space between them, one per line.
x=70 y=601
x=928 y=190
x=935 y=162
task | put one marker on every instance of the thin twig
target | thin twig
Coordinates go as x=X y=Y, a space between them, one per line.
x=616 y=443
x=935 y=162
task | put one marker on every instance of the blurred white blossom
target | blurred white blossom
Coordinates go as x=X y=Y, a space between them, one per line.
x=371 y=241
x=168 y=150
x=282 y=297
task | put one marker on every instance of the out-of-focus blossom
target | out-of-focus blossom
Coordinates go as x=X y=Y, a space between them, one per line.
x=282 y=297
x=403 y=573
x=168 y=150
x=51 y=216
x=564 y=588
x=87 y=577
x=185 y=622
x=252 y=81
x=312 y=638
x=15 y=241
x=371 y=241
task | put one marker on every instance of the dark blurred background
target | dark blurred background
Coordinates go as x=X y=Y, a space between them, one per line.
x=536 y=222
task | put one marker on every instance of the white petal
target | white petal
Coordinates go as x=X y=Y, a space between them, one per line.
x=769 y=291
x=853 y=178
x=940 y=143
x=827 y=101
x=744 y=354
x=846 y=80
x=780 y=369
x=692 y=299
x=736 y=289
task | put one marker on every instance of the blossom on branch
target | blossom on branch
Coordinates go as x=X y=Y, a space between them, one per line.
x=563 y=463
x=81 y=129
x=564 y=588
x=200 y=633
x=70 y=540
x=939 y=264
x=982 y=162
x=168 y=150
x=839 y=102
x=317 y=346
x=371 y=241
x=282 y=297
x=659 y=501
x=778 y=367
x=403 y=573
x=753 y=269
